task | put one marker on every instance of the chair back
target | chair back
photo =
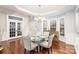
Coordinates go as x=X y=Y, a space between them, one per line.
x=27 y=42
x=50 y=40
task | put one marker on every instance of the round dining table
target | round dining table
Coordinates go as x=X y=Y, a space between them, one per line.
x=38 y=40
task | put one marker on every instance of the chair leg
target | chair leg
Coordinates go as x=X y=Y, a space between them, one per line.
x=29 y=52
x=35 y=49
x=26 y=51
x=51 y=49
x=41 y=48
x=48 y=51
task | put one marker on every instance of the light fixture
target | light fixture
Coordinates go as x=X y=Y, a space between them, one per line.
x=39 y=5
x=38 y=18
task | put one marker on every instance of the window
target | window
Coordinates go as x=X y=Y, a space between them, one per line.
x=62 y=27
x=15 y=18
x=19 y=32
x=12 y=29
x=44 y=25
x=15 y=26
x=53 y=26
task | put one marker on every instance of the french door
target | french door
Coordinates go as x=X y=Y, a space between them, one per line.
x=15 y=29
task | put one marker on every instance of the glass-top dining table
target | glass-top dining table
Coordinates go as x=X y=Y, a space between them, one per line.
x=38 y=40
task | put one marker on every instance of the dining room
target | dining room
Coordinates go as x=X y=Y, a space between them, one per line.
x=39 y=29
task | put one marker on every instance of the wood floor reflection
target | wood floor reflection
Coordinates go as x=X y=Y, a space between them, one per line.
x=16 y=46
x=59 y=47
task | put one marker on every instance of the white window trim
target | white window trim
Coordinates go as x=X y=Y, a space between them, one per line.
x=8 y=21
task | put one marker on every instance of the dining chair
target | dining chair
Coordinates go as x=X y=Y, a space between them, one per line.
x=48 y=44
x=28 y=44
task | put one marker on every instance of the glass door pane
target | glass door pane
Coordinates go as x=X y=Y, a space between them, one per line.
x=19 y=32
x=12 y=29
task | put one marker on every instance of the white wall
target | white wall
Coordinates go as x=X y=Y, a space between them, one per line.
x=26 y=26
x=3 y=25
x=77 y=29
x=69 y=23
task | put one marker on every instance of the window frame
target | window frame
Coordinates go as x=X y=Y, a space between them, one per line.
x=16 y=22
x=62 y=27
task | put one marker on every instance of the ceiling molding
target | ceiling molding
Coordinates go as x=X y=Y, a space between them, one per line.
x=18 y=9
x=53 y=12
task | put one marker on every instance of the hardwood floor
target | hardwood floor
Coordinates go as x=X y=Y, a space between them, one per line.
x=59 y=47
x=16 y=46
x=13 y=46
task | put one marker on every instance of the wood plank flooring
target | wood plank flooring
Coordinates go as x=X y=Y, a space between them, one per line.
x=16 y=47
x=13 y=46
x=59 y=47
